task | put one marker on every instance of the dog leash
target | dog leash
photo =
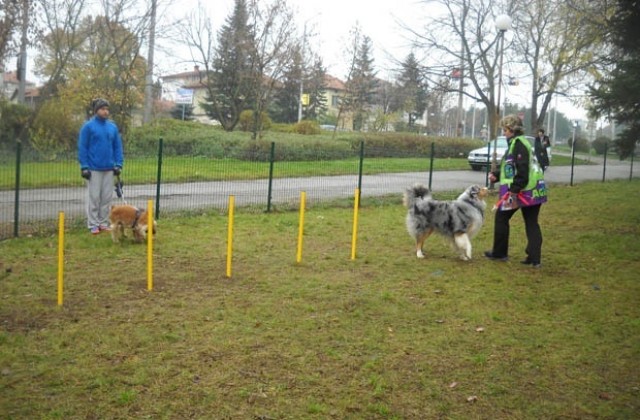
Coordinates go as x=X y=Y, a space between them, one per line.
x=504 y=198
x=119 y=191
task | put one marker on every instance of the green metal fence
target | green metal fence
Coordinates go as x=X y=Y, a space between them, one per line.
x=35 y=188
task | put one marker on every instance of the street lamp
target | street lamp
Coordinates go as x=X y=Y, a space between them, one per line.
x=503 y=23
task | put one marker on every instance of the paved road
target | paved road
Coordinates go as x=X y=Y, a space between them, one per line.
x=41 y=204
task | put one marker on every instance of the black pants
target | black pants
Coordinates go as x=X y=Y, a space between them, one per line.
x=534 y=234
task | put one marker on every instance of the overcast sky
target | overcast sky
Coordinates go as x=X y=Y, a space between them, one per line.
x=330 y=21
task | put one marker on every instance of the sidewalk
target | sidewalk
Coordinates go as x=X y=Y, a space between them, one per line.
x=45 y=204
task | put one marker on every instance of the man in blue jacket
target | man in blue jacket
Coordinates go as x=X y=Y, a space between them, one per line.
x=100 y=156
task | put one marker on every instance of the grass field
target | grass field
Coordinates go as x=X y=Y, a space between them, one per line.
x=383 y=336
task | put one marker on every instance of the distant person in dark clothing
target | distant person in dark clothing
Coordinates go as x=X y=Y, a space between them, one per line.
x=540 y=147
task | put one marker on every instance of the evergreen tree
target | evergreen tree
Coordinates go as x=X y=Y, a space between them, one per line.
x=361 y=86
x=285 y=107
x=412 y=89
x=617 y=94
x=315 y=87
x=230 y=84
x=182 y=112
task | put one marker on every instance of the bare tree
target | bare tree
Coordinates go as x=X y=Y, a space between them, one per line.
x=274 y=49
x=84 y=56
x=9 y=22
x=62 y=40
x=351 y=56
x=559 y=48
x=550 y=44
x=465 y=34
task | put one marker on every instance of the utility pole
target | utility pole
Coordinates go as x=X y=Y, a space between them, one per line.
x=148 y=86
x=460 y=88
x=22 y=57
x=304 y=45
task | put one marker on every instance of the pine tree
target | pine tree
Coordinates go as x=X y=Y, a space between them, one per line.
x=232 y=69
x=285 y=107
x=617 y=95
x=361 y=86
x=315 y=87
x=412 y=89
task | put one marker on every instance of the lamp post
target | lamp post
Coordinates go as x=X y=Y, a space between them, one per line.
x=304 y=41
x=503 y=23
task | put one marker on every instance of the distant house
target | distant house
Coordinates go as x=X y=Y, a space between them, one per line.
x=195 y=80
x=10 y=87
x=335 y=90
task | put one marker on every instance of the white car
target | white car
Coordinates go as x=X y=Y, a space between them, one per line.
x=481 y=158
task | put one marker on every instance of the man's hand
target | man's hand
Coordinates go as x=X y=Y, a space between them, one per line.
x=117 y=170
x=86 y=174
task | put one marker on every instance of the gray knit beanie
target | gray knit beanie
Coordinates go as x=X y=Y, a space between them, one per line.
x=99 y=103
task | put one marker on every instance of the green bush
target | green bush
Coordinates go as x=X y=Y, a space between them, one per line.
x=14 y=119
x=55 y=128
x=281 y=128
x=306 y=127
x=600 y=144
x=195 y=139
x=403 y=144
x=582 y=145
x=246 y=122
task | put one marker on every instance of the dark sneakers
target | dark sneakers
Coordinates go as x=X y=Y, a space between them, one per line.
x=527 y=261
x=492 y=256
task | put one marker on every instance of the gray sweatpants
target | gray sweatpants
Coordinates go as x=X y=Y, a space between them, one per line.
x=99 y=195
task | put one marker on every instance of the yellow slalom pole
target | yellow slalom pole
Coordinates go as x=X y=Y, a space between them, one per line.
x=303 y=198
x=150 y=245
x=230 y=235
x=354 y=237
x=61 y=258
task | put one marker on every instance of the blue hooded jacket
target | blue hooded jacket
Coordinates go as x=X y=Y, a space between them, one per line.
x=100 y=145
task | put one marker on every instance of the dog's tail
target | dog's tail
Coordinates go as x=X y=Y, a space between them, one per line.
x=411 y=195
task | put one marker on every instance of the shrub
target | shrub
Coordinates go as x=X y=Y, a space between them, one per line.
x=404 y=144
x=246 y=122
x=307 y=127
x=281 y=128
x=582 y=145
x=600 y=144
x=182 y=112
x=55 y=128
x=13 y=123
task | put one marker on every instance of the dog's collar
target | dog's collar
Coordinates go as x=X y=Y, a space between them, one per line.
x=135 y=221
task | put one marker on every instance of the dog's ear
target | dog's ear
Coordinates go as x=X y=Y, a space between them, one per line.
x=474 y=190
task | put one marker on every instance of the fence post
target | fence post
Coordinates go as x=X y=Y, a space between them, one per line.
x=433 y=152
x=487 y=168
x=573 y=156
x=159 y=179
x=16 y=207
x=360 y=170
x=271 y=160
x=633 y=152
x=604 y=164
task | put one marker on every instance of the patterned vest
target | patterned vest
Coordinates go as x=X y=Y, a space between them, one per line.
x=535 y=191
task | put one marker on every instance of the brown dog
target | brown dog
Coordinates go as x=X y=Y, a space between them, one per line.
x=129 y=217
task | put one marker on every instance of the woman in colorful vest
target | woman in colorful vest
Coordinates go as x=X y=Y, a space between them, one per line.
x=521 y=187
